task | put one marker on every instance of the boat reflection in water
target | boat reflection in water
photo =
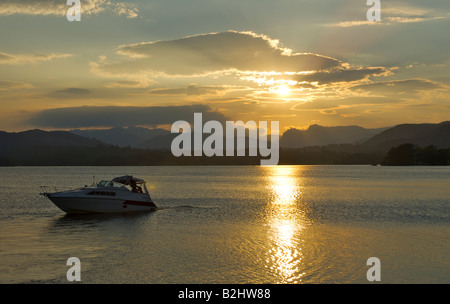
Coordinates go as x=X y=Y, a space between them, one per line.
x=285 y=220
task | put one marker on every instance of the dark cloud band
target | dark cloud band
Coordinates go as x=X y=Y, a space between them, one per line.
x=111 y=116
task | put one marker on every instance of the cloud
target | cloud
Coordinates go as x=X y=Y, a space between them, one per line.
x=387 y=21
x=404 y=10
x=209 y=54
x=126 y=84
x=59 y=7
x=70 y=93
x=111 y=116
x=13 y=85
x=342 y=75
x=386 y=93
x=398 y=13
x=48 y=7
x=74 y=91
x=126 y=9
x=196 y=90
x=18 y=59
x=409 y=86
x=346 y=102
x=242 y=56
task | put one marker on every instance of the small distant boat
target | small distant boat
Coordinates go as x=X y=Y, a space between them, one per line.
x=121 y=194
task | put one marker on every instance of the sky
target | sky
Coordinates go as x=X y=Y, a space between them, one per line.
x=151 y=63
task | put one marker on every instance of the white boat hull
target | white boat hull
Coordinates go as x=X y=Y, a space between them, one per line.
x=87 y=205
x=105 y=197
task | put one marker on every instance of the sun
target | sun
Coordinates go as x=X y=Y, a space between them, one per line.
x=283 y=90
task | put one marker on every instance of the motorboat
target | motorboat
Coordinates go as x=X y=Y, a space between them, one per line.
x=121 y=194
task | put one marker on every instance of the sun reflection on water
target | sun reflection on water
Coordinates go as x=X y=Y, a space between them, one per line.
x=285 y=221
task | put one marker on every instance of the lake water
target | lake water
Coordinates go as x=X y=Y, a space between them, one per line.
x=232 y=225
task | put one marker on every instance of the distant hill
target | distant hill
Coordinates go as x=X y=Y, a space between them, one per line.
x=421 y=135
x=134 y=137
x=10 y=142
x=159 y=142
x=317 y=135
x=37 y=147
x=421 y=143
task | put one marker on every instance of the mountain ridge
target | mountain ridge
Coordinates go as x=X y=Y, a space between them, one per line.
x=36 y=137
x=321 y=145
x=421 y=135
x=317 y=135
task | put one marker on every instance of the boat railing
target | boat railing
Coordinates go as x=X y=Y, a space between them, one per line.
x=53 y=189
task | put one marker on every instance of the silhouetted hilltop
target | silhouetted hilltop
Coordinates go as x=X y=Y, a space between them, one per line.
x=37 y=147
x=317 y=135
x=421 y=135
x=340 y=138
x=10 y=142
x=427 y=144
x=159 y=142
x=134 y=137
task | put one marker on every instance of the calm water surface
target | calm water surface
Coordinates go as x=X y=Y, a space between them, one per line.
x=246 y=224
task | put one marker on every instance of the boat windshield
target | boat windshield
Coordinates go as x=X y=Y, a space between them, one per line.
x=133 y=185
x=105 y=183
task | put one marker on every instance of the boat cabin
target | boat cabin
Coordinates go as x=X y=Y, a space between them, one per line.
x=135 y=185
